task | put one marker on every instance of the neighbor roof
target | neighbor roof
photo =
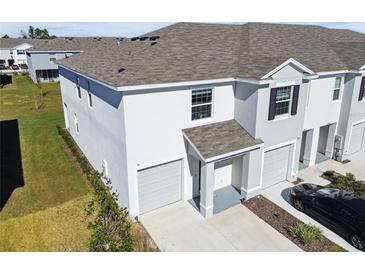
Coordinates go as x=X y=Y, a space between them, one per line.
x=9 y=43
x=220 y=138
x=195 y=51
x=71 y=44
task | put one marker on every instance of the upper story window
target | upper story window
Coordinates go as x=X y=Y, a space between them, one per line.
x=362 y=89
x=201 y=101
x=283 y=100
x=337 y=89
x=20 y=52
x=89 y=97
x=78 y=87
x=76 y=124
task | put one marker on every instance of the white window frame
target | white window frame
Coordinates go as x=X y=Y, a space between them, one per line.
x=211 y=103
x=283 y=115
x=339 y=90
x=89 y=99
x=77 y=129
x=105 y=171
x=78 y=88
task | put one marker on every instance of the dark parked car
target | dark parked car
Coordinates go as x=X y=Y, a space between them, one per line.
x=23 y=66
x=342 y=211
x=15 y=67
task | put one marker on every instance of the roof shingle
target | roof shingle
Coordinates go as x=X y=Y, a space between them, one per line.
x=220 y=138
x=195 y=51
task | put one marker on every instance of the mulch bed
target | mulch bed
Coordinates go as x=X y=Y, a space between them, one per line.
x=281 y=220
x=333 y=178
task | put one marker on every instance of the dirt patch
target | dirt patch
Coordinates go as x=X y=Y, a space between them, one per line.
x=281 y=220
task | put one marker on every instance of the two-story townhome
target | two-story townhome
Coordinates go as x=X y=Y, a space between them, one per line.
x=12 y=51
x=41 y=58
x=200 y=111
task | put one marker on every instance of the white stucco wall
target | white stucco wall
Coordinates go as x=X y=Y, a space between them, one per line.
x=321 y=109
x=353 y=110
x=154 y=121
x=285 y=129
x=102 y=135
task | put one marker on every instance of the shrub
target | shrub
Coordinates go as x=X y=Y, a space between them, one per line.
x=111 y=230
x=341 y=182
x=329 y=173
x=350 y=177
x=306 y=234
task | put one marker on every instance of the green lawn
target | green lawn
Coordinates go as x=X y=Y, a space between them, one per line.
x=50 y=178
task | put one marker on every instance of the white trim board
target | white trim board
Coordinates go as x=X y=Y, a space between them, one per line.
x=287 y=62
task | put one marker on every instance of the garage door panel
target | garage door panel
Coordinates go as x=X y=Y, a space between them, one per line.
x=357 y=138
x=159 y=186
x=275 y=166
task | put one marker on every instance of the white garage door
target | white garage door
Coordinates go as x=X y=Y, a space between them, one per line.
x=275 y=167
x=159 y=186
x=357 y=136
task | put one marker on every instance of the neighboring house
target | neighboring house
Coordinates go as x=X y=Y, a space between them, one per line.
x=41 y=59
x=40 y=54
x=12 y=51
x=188 y=110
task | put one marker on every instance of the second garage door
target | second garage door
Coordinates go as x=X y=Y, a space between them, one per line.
x=159 y=186
x=275 y=168
x=357 y=138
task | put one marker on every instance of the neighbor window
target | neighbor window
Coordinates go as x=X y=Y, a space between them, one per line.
x=52 y=59
x=283 y=100
x=336 y=91
x=20 y=52
x=78 y=87
x=76 y=124
x=201 y=101
x=89 y=95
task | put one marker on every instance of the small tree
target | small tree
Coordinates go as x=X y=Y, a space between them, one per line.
x=31 y=32
x=5 y=36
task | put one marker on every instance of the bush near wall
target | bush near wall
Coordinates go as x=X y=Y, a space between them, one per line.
x=347 y=182
x=111 y=229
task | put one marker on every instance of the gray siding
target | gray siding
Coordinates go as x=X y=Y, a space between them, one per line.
x=41 y=61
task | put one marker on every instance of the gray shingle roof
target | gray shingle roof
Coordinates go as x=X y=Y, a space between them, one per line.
x=220 y=138
x=9 y=43
x=192 y=51
x=73 y=44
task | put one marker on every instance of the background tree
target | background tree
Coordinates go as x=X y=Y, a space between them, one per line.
x=5 y=36
x=31 y=32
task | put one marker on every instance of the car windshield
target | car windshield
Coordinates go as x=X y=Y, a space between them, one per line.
x=328 y=192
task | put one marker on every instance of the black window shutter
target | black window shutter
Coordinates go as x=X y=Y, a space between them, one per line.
x=361 y=94
x=272 y=108
x=295 y=100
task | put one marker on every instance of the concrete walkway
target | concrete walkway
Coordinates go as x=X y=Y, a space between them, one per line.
x=180 y=227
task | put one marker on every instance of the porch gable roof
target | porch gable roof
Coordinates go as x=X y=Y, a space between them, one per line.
x=220 y=139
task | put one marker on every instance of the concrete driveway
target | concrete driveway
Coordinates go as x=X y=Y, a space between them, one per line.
x=180 y=227
x=355 y=166
x=279 y=194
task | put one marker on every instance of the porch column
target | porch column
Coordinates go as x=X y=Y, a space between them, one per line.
x=251 y=174
x=311 y=146
x=207 y=189
x=330 y=140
